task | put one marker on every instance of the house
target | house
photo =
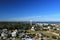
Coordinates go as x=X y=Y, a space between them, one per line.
x=32 y=28
x=29 y=38
x=14 y=33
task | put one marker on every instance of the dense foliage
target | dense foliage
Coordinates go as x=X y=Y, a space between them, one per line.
x=15 y=25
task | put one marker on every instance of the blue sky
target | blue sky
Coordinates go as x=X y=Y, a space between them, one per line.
x=25 y=10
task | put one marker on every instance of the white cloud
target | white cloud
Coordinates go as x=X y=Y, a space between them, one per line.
x=33 y=18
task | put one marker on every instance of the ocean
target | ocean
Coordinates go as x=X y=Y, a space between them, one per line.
x=48 y=22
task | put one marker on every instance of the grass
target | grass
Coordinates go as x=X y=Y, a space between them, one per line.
x=44 y=32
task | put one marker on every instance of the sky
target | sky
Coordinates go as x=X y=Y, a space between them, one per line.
x=26 y=10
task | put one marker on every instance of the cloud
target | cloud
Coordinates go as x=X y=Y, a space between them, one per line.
x=33 y=18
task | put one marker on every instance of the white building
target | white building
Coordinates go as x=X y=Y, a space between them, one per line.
x=32 y=29
x=45 y=24
x=14 y=33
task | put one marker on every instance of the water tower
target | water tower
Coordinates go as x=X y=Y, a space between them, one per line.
x=31 y=22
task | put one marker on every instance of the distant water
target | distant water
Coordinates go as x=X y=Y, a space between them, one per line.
x=49 y=22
